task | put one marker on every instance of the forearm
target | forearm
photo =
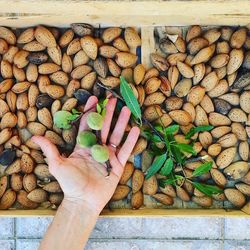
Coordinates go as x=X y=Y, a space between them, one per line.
x=71 y=227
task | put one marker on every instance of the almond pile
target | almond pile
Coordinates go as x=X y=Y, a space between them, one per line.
x=200 y=78
x=44 y=70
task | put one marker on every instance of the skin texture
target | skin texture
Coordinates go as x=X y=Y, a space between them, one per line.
x=85 y=184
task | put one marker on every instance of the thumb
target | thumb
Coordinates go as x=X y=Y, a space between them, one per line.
x=48 y=148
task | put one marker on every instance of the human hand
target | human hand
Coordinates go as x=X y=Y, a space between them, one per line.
x=83 y=180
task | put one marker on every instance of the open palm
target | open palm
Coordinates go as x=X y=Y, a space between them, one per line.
x=82 y=179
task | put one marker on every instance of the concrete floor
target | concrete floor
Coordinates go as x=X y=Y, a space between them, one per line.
x=138 y=233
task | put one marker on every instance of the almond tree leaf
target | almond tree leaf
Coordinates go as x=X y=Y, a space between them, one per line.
x=98 y=108
x=73 y=117
x=194 y=130
x=170 y=181
x=75 y=112
x=185 y=148
x=130 y=99
x=203 y=168
x=167 y=167
x=172 y=129
x=208 y=190
x=156 y=165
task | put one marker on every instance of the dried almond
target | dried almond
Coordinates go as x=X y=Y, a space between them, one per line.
x=188 y=107
x=235 y=60
x=31 y=114
x=110 y=81
x=120 y=193
x=32 y=95
x=9 y=120
x=181 y=117
x=38 y=195
x=204 y=201
x=235 y=197
x=5 y=135
x=238 y=38
x=243 y=188
x=6 y=69
x=3 y=185
x=137 y=200
x=228 y=140
x=14 y=167
x=244 y=150
x=152 y=85
x=226 y=157
x=132 y=38
x=199 y=72
x=110 y=34
x=173 y=103
x=34 y=46
x=20 y=59
x=217 y=119
x=36 y=128
x=172 y=60
x=69 y=104
x=212 y=35
x=219 y=60
x=159 y=62
x=207 y=104
x=195 y=95
x=173 y=76
x=16 y=182
x=220 y=89
x=203 y=55
x=20 y=87
x=66 y=38
x=164 y=199
x=60 y=78
x=214 y=149
x=67 y=64
x=137 y=180
x=24 y=201
x=54 y=138
x=27 y=164
x=56 y=198
x=239 y=130
x=120 y=44
x=32 y=72
x=193 y=31
x=245 y=101
x=4 y=108
x=114 y=69
x=42 y=172
x=45 y=37
x=52 y=187
x=196 y=44
x=48 y=68
x=150 y=186
x=72 y=87
x=55 y=91
x=127 y=173
x=45 y=117
x=139 y=73
x=210 y=81
x=182 y=193
x=21 y=119
x=89 y=46
x=29 y=182
x=55 y=54
x=205 y=139
x=185 y=70
x=125 y=60
x=74 y=46
x=7 y=35
x=232 y=98
x=183 y=87
x=6 y=85
x=237 y=115
x=56 y=106
x=9 y=197
x=201 y=118
x=19 y=74
x=154 y=98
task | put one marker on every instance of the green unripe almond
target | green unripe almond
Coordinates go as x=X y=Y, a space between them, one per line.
x=95 y=121
x=86 y=139
x=61 y=119
x=100 y=153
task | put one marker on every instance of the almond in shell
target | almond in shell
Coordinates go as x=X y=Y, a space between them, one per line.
x=217 y=119
x=201 y=118
x=185 y=70
x=34 y=46
x=137 y=180
x=67 y=64
x=228 y=140
x=14 y=167
x=193 y=31
x=173 y=103
x=235 y=60
x=237 y=170
x=125 y=60
x=27 y=163
x=195 y=95
x=139 y=73
x=244 y=150
x=44 y=117
x=45 y=37
x=154 y=98
x=127 y=173
x=38 y=195
x=16 y=182
x=48 y=68
x=204 y=201
x=132 y=38
x=24 y=201
x=55 y=198
x=183 y=87
x=52 y=187
x=237 y=115
x=6 y=85
x=120 y=193
x=203 y=55
x=120 y=44
x=226 y=157
x=42 y=172
x=54 y=138
x=181 y=117
x=238 y=38
x=137 y=200
x=110 y=34
x=32 y=72
x=210 y=81
x=55 y=91
x=199 y=73
x=235 y=197
x=182 y=193
x=3 y=185
x=9 y=120
x=29 y=182
x=164 y=199
x=8 y=199
x=150 y=186
x=89 y=46
x=5 y=135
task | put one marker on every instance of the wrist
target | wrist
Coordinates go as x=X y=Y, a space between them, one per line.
x=80 y=207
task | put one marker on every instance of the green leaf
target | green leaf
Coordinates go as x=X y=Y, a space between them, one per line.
x=75 y=112
x=156 y=165
x=103 y=112
x=203 y=168
x=105 y=102
x=159 y=128
x=73 y=117
x=98 y=108
x=170 y=181
x=172 y=129
x=194 y=130
x=208 y=190
x=185 y=148
x=130 y=99
x=167 y=167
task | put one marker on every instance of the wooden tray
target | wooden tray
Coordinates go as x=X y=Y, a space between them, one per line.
x=142 y=14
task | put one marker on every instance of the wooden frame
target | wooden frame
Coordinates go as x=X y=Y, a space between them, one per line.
x=145 y=14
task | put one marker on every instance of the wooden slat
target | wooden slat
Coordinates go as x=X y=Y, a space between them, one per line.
x=139 y=213
x=136 y=13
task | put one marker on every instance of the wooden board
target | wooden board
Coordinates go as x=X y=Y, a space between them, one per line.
x=143 y=14
x=136 y=13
